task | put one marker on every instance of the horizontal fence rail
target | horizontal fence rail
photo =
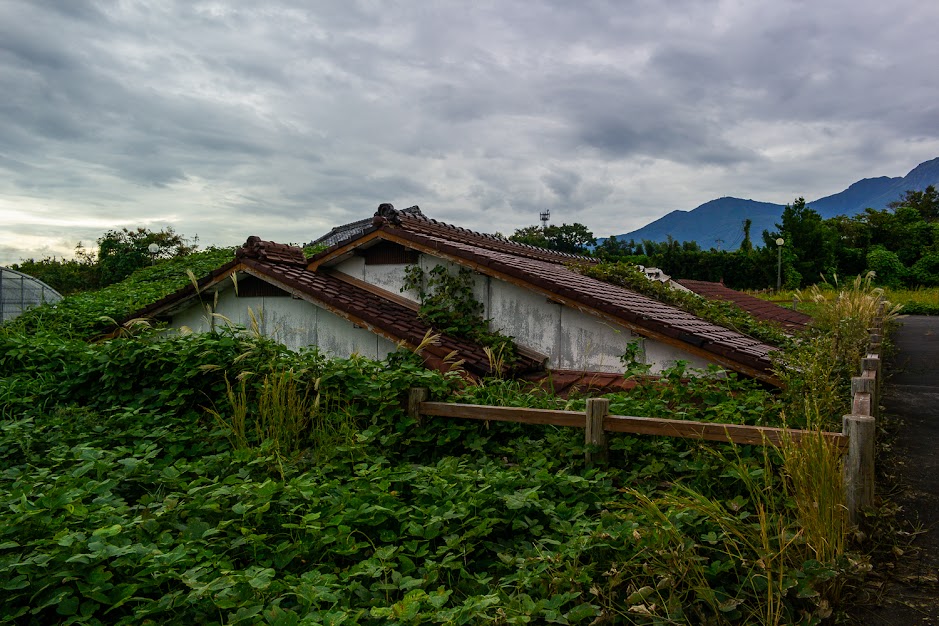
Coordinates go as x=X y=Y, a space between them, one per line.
x=687 y=429
x=855 y=442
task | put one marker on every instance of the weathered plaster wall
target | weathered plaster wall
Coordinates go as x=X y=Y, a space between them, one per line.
x=570 y=338
x=295 y=323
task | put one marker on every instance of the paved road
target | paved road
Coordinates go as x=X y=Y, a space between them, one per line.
x=911 y=400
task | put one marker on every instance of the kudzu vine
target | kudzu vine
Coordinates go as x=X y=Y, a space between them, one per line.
x=448 y=304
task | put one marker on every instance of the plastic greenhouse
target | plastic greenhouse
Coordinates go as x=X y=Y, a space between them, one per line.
x=19 y=292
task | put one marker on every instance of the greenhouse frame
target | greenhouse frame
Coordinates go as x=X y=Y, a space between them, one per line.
x=19 y=291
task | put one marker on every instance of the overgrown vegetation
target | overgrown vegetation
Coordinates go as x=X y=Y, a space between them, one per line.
x=220 y=478
x=721 y=313
x=90 y=312
x=448 y=304
x=119 y=253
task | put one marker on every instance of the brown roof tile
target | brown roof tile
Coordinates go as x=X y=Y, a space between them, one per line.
x=760 y=309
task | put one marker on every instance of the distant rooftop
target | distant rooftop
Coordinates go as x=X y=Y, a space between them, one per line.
x=354 y=229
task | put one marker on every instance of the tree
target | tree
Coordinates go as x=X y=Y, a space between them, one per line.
x=65 y=276
x=746 y=246
x=613 y=249
x=926 y=203
x=810 y=242
x=888 y=270
x=571 y=238
x=530 y=235
x=120 y=252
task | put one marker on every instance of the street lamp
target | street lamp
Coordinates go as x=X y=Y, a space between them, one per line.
x=779 y=245
x=153 y=249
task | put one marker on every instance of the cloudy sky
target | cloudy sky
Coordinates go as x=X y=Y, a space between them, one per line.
x=284 y=118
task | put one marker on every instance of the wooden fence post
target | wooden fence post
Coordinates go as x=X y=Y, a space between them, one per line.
x=415 y=396
x=858 y=464
x=597 y=409
x=873 y=364
x=864 y=396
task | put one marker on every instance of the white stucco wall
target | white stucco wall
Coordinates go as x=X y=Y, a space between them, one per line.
x=295 y=323
x=570 y=338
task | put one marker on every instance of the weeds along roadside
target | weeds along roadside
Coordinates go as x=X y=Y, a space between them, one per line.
x=800 y=523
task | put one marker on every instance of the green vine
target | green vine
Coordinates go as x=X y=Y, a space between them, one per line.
x=449 y=306
x=723 y=314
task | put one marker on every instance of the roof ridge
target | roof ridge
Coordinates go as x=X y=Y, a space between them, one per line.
x=257 y=248
x=402 y=219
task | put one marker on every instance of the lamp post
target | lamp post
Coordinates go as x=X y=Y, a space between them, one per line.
x=153 y=249
x=779 y=245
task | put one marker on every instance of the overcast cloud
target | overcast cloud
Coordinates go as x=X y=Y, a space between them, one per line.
x=285 y=118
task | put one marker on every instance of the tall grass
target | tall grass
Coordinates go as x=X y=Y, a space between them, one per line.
x=785 y=540
x=813 y=472
x=282 y=416
x=915 y=301
x=819 y=367
x=850 y=314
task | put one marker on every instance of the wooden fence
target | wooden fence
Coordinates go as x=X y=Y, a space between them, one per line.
x=856 y=440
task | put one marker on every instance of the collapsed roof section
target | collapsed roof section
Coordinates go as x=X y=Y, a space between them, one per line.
x=544 y=272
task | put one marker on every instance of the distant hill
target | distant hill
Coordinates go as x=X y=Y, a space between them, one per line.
x=719 y=223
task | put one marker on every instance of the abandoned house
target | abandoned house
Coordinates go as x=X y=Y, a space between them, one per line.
x=351 y=298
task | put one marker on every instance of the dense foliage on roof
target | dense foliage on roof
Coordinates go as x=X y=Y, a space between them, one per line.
x=721 y=313
x=86 y=313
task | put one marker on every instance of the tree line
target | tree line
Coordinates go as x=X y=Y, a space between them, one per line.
x=117 y=255
x=900 y=244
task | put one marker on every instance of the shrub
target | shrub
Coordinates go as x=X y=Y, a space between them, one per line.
x=925 y=272
x=888 y=270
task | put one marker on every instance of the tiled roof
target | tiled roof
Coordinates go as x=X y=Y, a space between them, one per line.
x=545 y=271
x=760 y=309
x=418 y=223
x=285 y=266
x=527 y=266
x=489 y=242
x=617 y=302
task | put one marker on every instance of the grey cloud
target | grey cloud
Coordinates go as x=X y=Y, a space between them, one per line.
x=485 y=113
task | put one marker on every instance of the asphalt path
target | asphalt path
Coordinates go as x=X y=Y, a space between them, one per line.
x=910 y=594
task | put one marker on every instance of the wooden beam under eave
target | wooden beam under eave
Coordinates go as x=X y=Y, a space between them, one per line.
x=373 y=289
x=567 y=301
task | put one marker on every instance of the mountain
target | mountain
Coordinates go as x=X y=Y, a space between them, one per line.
x=719 y=223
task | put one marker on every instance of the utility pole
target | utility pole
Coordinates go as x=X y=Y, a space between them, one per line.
x=779 y=245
